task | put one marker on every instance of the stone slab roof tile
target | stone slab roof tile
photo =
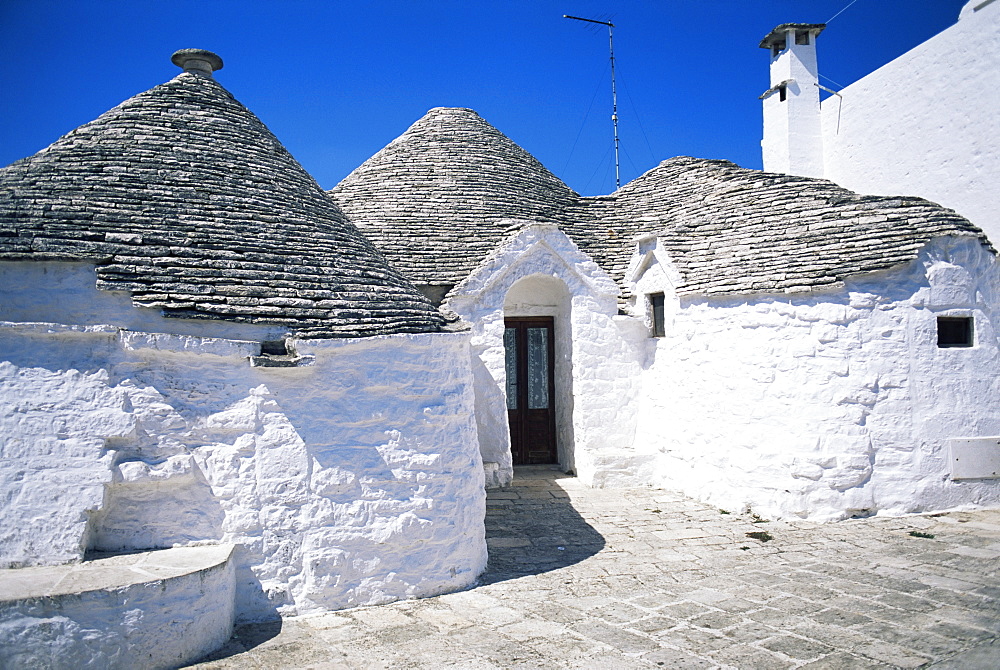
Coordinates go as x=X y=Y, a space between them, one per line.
x=434 y=200
x=733 y=230
x=183 y=197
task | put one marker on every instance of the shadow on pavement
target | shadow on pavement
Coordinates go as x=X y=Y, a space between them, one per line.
x=245 y=637
x=532 y=527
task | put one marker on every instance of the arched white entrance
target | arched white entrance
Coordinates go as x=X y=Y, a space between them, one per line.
x=536 y=308
x=539 y=272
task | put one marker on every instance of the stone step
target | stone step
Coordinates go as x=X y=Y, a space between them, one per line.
x=155 y=609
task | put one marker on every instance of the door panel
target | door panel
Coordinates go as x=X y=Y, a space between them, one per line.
x=529 y=349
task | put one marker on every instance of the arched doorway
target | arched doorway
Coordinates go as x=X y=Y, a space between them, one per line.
x=538 y=358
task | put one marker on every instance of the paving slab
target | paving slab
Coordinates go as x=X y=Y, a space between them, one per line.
x=645 y=578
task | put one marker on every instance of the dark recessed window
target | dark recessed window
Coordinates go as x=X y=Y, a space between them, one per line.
x=954 y=331
x=802 y=37
x=777 y=48
x=781 y=92
x=656 y=304
x=273 y=348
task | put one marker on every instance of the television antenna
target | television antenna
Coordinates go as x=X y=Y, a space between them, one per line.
x=614 y=90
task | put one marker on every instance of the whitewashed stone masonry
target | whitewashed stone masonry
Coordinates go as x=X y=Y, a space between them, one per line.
x=793 y=141
x=831 y=404
x=153 y=610
x=353 y=479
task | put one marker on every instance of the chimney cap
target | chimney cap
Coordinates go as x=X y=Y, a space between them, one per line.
x=777 y=35
x=198 y=61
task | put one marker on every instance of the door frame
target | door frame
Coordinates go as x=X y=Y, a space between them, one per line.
x=518 y=433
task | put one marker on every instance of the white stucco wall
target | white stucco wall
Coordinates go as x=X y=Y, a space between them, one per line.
x=828 y=405
x=540 y=272
x=354 y=480
x=926 y=124
x=54 y=428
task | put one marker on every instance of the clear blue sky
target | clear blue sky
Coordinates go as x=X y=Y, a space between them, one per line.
x=338 y=80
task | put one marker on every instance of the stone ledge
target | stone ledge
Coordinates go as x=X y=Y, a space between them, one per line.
x=112 y=572
x=45 y=328
x=291 y=361
x=156 y=609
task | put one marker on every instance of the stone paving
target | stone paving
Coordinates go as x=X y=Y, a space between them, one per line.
x=644 y=578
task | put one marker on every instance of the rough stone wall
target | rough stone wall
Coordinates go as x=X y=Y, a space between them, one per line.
x=926 y=123
x=66 y=292
x=828 y=405
x=605 y=409
x=354 y=480
x=55 y=425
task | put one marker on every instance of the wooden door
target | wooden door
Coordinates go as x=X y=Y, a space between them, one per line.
x=530 y=349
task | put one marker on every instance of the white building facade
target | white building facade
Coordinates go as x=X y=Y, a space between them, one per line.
x=762 y=341
x=831 y=404
x=924 y=124
x=201 y=347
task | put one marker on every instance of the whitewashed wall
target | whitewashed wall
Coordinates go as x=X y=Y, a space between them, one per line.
x=828 y=405
x=540 y=272
x=926 y=124
x=355 y=480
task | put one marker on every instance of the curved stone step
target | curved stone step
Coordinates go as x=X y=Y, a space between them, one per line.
x=156 y=609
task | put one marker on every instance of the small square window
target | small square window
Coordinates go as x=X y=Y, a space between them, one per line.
x=801 y=37
x=274 y=348
x=656 y=304
x=954 y=331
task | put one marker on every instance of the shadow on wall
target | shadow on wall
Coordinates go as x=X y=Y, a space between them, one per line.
x=531 y=527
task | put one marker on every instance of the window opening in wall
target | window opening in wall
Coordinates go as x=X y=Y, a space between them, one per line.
x=954 y=331
x=777 y=48
x=781 y=92
x=273 y=348
x=802 y=37
x=656 y=305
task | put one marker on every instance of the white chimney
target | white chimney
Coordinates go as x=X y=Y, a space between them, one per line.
x=793 y=142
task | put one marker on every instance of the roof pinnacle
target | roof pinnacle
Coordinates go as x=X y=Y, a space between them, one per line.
x=197 y=61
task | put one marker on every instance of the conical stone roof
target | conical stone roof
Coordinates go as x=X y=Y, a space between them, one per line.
x=434 y=199
x=731 y=230
x=184 y=198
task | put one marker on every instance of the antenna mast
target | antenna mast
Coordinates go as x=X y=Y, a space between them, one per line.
x=614 y=90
